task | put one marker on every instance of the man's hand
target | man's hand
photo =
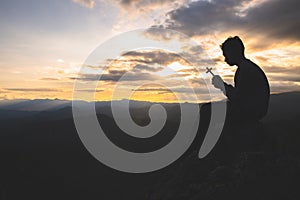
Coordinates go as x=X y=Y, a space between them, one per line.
x=218 y=82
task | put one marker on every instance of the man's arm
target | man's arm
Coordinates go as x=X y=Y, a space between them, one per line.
x=227 y=89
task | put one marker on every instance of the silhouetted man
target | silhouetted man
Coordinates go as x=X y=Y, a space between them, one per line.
x=247 y=103
x=249 y=97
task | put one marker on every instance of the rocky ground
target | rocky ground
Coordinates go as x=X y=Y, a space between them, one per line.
x=269 y=169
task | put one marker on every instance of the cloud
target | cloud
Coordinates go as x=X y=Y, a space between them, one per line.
x=85 y=3
x=127 y=2
x=116 y=72
x=141 y=13
x=155 y=33
x=49 y=79
x=33 y=89
x=276 y=19
x=197 y=55
x=130 y=76
x=283 y=86
x=148 y=68
x=280 y=19
x=147 y=61
x=150 y=4
x=153 y=57
x=116 y=77
x=97 y=66
x=285 y=77
x=202 y=17
x=176 y=90
x=90 y=90
x=277 y=73
x=278 y=69
x=142 y=2
x=185 y=72
x=163 y=90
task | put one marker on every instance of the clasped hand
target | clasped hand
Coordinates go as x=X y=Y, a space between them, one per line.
x=218 y=82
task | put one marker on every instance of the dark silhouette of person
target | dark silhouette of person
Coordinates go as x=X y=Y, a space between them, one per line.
x=247 y=103
x=249 y=97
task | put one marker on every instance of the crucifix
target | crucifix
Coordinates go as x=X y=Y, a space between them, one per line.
x=209 y=71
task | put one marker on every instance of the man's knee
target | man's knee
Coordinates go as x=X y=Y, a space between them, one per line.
x=205 y=108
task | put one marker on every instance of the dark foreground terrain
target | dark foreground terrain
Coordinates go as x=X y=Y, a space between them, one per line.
x=42 y=157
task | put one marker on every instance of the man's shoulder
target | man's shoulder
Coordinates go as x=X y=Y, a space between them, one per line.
x=250 y=63
x=250 y=66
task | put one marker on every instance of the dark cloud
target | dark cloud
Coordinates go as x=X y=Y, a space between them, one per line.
x=196 y=55
x=112 y=75
x=201 y=17
x=286 y=70
x=140 y=65
x=277 y=73
x=116 y=77
x=96 y=77
x=276 y=18
x=147 y=68
x=285 y=77
x=153 y=57
x=116 y=72
x=191 y=53
x=127 y=2
x=132 y=76
x=85 y=77
x=293 y=78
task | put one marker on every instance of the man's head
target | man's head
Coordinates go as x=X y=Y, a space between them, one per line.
x=233 y=50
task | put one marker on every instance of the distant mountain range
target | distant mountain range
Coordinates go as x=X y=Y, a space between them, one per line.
x=281 y=105
x=60 y=109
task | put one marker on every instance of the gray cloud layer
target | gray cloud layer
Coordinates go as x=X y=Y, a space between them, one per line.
x=275 y=18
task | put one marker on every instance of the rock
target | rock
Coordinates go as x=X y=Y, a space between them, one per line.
x=252 y=175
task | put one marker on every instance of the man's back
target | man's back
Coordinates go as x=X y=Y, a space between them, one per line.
x=252 y=91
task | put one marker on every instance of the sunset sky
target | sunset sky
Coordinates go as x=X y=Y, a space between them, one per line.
x=44 y=44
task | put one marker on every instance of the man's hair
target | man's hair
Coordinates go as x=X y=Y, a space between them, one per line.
x=233 y=45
